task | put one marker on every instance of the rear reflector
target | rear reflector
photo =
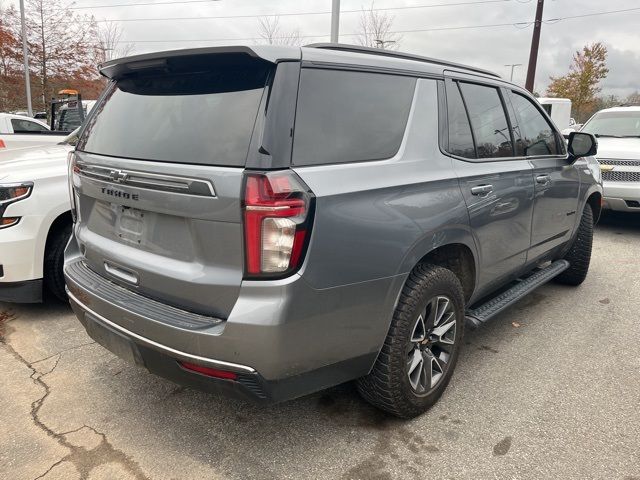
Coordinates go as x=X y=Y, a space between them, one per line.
x=208 y=371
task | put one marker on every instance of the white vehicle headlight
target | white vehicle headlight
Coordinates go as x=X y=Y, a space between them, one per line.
x=11 y=193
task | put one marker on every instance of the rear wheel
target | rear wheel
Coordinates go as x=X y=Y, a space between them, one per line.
x=579 y=255
x=421 y=349
x=54 y=262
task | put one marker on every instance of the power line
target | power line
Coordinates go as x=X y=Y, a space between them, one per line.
x=519 y=25
x=113 y=5
x=286 y=14
x=436 y=29
x=556 y=20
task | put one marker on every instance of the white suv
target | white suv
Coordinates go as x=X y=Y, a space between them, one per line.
x=618 y=132
x=35 y=221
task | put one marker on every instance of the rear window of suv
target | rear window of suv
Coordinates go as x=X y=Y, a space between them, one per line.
x=203 y=117
x=346 y=116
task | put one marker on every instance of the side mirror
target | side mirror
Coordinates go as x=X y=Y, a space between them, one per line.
x=582 y=145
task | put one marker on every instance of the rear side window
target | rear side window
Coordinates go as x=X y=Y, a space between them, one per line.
x=345 y=116
x=488 y=120
x=460 y=138
x=25 y=126
x=203 y=117
x=534 y=135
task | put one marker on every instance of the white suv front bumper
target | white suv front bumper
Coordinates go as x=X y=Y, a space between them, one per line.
x=21 y=272
x=622 y=196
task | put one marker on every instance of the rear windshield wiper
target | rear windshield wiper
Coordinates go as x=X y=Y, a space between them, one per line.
x=630 y=136
x=605 y=135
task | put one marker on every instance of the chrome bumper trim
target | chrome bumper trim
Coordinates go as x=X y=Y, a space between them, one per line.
x=163 y=348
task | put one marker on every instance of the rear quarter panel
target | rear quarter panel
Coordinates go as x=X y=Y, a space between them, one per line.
x=376 y=220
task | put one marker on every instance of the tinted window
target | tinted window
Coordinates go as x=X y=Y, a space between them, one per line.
x=25 y=126
x=534 y=135
x=202 y=118
x=460 y=138
x=350 y=116
x=488 y=121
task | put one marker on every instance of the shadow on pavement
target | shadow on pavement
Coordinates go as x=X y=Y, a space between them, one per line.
x=619 y=222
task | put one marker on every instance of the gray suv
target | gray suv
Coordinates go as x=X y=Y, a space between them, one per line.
x=272 y=221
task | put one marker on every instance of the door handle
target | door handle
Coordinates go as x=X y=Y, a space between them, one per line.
x=543 y=179
x=481 y=189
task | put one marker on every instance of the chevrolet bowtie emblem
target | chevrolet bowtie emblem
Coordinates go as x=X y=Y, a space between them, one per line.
x=606 y=168
x=118 y=176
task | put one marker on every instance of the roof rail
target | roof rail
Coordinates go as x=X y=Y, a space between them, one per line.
x=391 y=53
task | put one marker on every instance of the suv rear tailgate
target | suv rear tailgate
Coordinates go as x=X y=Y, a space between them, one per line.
x=158 y=176
x=182 y=248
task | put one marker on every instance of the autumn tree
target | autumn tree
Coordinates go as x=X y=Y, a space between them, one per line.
x=375 y=30
x=582 y=84
x=10 y=67
x=61 y=45
x=272 y=33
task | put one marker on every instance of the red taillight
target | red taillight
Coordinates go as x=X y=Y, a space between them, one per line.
x=209 y=372
x=276 y=222
x=2 y=145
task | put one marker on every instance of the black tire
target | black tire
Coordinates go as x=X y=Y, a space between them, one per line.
x=54 y=262
x=579 y=255
x=389 y=385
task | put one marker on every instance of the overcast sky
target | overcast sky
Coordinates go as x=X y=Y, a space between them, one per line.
x=491 y=47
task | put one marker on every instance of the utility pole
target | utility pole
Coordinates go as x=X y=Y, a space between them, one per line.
x=25 y=55
x=512 y=65
x=335 y=20
x=535 y=43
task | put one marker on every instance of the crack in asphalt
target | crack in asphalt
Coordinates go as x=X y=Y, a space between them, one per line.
x=62 y=351
x=84 y=460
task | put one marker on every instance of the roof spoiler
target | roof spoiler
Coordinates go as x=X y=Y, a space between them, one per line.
x=121 y=67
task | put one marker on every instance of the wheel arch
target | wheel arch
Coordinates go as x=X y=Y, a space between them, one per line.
x=595 y=201
x=454 y=249
x=58 y=224
x=458 y=258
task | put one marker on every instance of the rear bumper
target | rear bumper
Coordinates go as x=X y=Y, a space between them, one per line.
x=164 y=361
x=622 y=196
x=283 y=338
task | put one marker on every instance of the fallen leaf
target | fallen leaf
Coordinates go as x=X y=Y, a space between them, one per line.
x=515 y=324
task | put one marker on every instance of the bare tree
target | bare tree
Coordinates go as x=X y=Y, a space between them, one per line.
x=109 y=44
x=270 y=31
x=375 y=30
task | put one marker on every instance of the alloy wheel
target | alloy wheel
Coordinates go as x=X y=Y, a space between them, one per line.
x=431 y=344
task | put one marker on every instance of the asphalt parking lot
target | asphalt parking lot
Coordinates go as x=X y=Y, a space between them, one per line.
x=550 y=389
